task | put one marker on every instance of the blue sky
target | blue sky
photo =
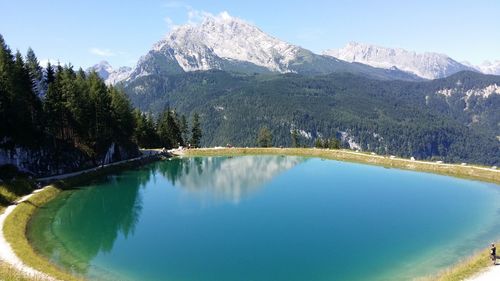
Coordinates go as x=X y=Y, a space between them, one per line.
x=85 y=32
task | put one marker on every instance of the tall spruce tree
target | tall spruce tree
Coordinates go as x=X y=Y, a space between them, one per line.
x=145 y=133
x=36 y=72
x=196 y=133
x=168 y=130
x=25 y=106
x=265 y=137
x=184 y=127
x=295 y=138
x=123 y=117
x=6 y=71
x=101 y=131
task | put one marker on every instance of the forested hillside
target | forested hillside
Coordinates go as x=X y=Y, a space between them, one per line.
x=411 y=119
x=56 y=119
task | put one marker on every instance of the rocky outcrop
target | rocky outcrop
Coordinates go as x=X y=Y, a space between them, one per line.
x=62 y=158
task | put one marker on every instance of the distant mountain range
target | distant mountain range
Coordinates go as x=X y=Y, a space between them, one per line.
x=239 y=78
x=227 y=43
x=426 y=65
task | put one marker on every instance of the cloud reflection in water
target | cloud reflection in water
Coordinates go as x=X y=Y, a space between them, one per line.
x=227 y=178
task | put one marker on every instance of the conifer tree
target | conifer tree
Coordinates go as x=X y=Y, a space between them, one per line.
x=25 y=106
x=123 y=118
x=184 y=127
x=168 y=130
x=6 y=70
x=265 y=137
x=54 y=108
x=196 y=133
x=145 y=133
x=35 y=71
x=295 y=138
x=101 y=131
x=50 y=76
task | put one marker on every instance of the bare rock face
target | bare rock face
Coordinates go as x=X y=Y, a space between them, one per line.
x=49 y=160
x=426 y=65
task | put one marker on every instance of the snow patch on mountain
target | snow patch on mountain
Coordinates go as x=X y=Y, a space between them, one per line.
x=488 y=67
x=109 y=75
x=426 y=65
x=103 y=69
x=197 y=46
x=119 y=75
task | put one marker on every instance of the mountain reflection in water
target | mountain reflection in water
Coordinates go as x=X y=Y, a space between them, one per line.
x=226 y=178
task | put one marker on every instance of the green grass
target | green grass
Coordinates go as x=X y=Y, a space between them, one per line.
x=15 y=233
x=8 y=273
x=11 y=191
x=465 y=269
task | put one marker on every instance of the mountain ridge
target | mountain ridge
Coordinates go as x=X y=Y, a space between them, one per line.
x=229 y=43
x=426 y=65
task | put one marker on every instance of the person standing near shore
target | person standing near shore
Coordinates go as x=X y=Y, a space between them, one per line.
x=493 y=254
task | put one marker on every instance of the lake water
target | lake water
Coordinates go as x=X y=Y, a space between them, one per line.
x=266 y=218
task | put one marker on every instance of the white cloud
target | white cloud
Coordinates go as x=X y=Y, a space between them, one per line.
x=102 y=52
x=193 y=16
x=43 y=62
x=197 y=16
x=170 y=23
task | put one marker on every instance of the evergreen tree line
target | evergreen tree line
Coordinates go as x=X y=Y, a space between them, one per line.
x=54 y=105
x=168 y=130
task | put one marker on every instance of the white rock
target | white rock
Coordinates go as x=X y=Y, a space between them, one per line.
x=426 y=65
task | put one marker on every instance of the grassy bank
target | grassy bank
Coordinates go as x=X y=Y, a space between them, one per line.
x=13 y=190
x=8 y=273
x=15 y=233
x=9 y=193
x=16 y=223
x=466 y=268
x=468 y=171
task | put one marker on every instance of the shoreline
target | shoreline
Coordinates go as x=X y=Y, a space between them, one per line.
x=8 y=254
x=455 y=170
x=470 y=171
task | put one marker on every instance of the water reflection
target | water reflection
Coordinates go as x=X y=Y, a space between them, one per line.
x=113 y=208
x=226 y=178
x=80 y=225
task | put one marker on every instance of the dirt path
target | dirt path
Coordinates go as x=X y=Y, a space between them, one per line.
x=492 y=273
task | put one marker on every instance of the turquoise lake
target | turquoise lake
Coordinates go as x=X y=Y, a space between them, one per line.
x=266 y=218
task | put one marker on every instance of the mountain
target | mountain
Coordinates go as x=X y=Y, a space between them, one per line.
x=490 y=67
x=426 y=65
x=453 y=119
x=108 y=74
x=223 y=42
x=103 y=69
